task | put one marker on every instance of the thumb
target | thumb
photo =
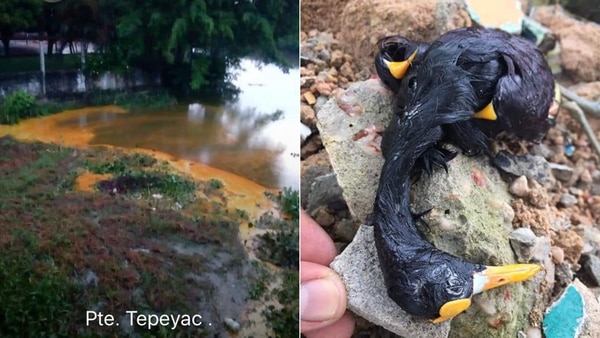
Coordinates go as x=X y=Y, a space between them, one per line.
x=322 y=296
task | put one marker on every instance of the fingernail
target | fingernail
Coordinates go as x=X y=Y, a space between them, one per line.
x=318 y=300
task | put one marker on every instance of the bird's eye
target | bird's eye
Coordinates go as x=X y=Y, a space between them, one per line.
x=412 y=83
x=453 y=287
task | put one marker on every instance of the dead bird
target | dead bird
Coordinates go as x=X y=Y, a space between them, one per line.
x=424 y=281
x=515 y=91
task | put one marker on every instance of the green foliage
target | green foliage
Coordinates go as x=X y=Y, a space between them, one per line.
x=281 y=247
x=16 y=15
x=260 y=285
x=112 y=60
x=135 y=99
x=191 y=43
x=36 y=298
x=215 y=184
x=283 y=321
x=290 y=202
x=16 y=106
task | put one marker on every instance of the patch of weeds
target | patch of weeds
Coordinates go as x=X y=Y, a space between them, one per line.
x=283 y=320
x=123 y=165
x=141 y=160
x=177 y=188
x=116 y=167
x=37 y=297
x=215 y=184
x=52 y=107
x=243 y=214
x=260 y=286
x=281 y=247
x=18 y=105
x=133 y=99
x=288 y=200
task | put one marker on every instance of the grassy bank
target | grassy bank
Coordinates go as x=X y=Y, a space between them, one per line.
x=20 y=105
x=133 y=243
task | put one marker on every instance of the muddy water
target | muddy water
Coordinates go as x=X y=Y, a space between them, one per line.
x=237 y=137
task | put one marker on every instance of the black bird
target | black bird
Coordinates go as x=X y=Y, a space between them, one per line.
x=514 y=87
x=421 y=279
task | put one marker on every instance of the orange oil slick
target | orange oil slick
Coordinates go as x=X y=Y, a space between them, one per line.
x=240 y=193
x=85 y=182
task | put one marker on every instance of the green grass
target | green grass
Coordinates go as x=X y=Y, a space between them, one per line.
x=31 y=63
x=51 y=236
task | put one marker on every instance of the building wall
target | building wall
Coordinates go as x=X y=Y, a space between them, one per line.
x=72 y=82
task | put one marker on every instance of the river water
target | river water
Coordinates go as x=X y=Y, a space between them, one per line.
x=237 y=137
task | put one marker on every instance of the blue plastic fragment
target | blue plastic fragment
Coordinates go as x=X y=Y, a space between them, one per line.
x=569 y=149
x=564 y=318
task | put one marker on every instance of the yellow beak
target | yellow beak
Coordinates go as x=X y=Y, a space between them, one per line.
x=491 y=277
x=399 y=68
x=495 y=276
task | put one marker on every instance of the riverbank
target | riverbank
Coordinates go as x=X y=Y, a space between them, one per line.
x=130 y=243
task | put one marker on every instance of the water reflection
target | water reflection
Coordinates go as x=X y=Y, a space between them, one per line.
x=253 y=137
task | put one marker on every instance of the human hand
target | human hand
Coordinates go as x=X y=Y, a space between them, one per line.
x=322 y=295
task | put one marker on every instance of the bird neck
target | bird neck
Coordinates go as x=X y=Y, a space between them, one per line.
x=392 y=216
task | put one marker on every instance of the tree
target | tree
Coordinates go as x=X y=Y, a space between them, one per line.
x=17 y=15
x=192 y=42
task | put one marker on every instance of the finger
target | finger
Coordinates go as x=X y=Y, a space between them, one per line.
x=315 y=244
x=343 y=328
x=322 y=296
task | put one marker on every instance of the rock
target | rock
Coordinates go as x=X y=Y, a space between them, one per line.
x=533 y=332
x=519 y=187
x=322 y=217
x=571 y=243
x=503 y=14
x=312 y=167
x=590 y=236
x=575 y=314
x=541 y=150
x=564 y=274
x=337 y=58
x=567 y=200
x=345 y=230
x=359 y=268
x=364 y=22
x=305 y=132
x=558 y=255
x=359 y=169
x=311 y=146
x=323 y=191
x=321 y=101
x=542 y=250
x=534 y=167
x=231 y=324
x=522 y=241
x=472 y=202
x=309 y=97
x=590 y=264
x=90 y=279
x=591 y=325
x=578 y=41
x=561 y=172
x=308 y=116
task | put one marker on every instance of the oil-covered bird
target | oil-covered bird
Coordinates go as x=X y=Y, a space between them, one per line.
x=421 y=279
x=513 y=84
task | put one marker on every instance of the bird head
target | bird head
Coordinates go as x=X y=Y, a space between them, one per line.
x=396 y=55
x=441 y=286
